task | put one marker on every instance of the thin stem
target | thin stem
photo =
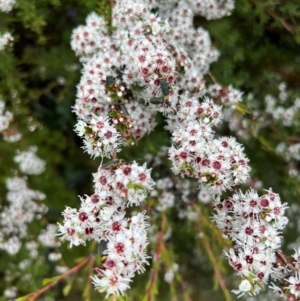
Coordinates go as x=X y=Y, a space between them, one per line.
x=285 y=259
x=292 y=138
x=115 y=155
x=46 y=89
x=154 y=270
x=213 y=259
x=208 y=223
x=212 y=77
x=185 y=291
x=87 y=289
x=111 y=3
x=286 y=25
x=61 y=277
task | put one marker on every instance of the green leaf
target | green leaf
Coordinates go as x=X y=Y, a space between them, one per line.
x=122 y=128
x=114 y=114
x=136 y=186
x=67 y=289
x=122 y=298
x=23 y=298
x=186 y=166
x=241 y=108
x=50 y=280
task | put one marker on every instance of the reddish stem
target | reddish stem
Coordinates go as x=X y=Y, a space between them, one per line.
x=212 y=258
x=154 y=270
x=81 y=264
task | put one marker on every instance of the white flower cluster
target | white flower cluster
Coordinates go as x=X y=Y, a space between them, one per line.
x=173 y=192
x=254 y=224
x=285 y=112
x=166 y=198
x=138 y=64
x=100 y=138
x=5 y=117
x=225 y=95
x=7 y=5
x=21 y=210
x=144 y=121
x=101 y=217
x=280 y=110
x=194 y=51
x=47 y=237
x=169 y=275
x=10 y=135
x=209 y=9
x=10 y=292
x=6 y=40
x=290 y=287
x=289 y=153
x=217 y=163
x=141 y=67
x=213 y=9
x=29 y=162
x=88 y=40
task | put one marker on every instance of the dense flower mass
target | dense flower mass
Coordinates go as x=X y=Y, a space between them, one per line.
x=21 y=210
x=210 y=9
x=101 y=217
x=156 y=62
x=254 y=223
x=29 y=162
x=218 y=164
x=139 y=63
x=100 y=138
x=127 y=76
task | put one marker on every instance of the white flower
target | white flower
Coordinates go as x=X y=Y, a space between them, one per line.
x=29 y=162
x=106 y=213
x=294 y=285
x=245 y=285
x=111 y=283
x=80 y=127
x=6 y=39
x=136 y=196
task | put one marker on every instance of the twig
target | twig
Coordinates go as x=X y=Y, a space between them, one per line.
x=63 y=276
x=111 y=3
x=213 y=260
x=212 y=77
x=156 y=256
x=46 y=89
x=115 y=155
x=289 y=76
x=286 y=261
x=287 y=26
x=87 y=289
x=185 y=291
x=208 y=223
x=292 y=138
